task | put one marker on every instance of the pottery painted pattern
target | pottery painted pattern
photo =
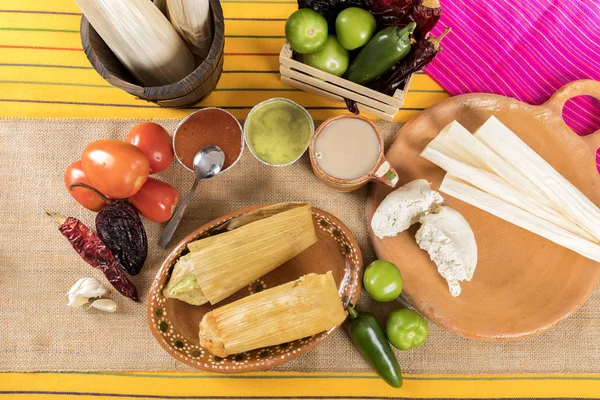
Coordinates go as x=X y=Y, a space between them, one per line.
x=264 y=358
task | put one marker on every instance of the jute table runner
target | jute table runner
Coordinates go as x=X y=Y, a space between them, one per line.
x=39 y=332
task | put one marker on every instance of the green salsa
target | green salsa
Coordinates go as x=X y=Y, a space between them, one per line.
x=278 y=131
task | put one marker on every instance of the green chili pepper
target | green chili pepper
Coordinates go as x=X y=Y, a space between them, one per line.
x=372 y=343
x=384 y=50
x=406 y=329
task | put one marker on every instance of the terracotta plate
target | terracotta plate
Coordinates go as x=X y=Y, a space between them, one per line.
x=523 y=284
x=175 y=323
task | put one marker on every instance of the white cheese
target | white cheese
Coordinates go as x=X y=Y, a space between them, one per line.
x=404 y=207
x=448 y=239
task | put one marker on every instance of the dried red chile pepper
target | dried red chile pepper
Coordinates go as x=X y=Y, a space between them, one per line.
x=421 y=54
x=352 y=106
x=93 y=251
x=426 y=13
x=120 y=227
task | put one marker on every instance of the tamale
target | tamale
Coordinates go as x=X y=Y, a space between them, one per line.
x=183 y=284
x=142 y=39
x=241 y=251
x=192 y=20
x=291 y=311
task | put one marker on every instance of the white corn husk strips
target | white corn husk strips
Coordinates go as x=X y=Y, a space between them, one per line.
x=496 y=171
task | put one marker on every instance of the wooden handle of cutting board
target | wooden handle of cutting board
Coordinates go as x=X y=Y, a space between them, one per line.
x=577 y=88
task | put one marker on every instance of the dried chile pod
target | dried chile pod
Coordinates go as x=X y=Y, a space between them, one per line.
x=391 y=12
x=426 y=14
x=352 y=106
x=120 y=227
x=421 y=54
x=95 y=252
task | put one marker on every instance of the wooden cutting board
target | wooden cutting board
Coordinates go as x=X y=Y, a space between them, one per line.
x=523 y=284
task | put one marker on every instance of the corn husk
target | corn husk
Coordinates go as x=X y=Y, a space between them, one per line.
x=161 y=5
x=291 y=311
x=241 y=251
x=192 y=20
x=142 y=38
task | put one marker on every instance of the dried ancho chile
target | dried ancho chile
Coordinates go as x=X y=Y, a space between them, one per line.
x=93 y=251
x=121 y=229
x=426 y=14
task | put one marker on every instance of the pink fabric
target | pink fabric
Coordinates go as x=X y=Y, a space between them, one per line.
x=526 y=49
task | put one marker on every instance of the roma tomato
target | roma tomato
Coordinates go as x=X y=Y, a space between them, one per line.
x=155 y=142
x=117 y=169
x=156 y=200
x=85 y=197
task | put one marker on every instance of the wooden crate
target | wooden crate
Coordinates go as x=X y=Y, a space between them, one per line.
x=302 y=76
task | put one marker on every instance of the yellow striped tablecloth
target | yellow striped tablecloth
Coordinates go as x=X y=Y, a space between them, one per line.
x=276 y=386
x=44 y=73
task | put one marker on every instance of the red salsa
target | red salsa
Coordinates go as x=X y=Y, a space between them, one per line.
x=206 y=127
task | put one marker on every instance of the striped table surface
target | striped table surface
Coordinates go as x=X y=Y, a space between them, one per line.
x=99 y=385
x=44 y=72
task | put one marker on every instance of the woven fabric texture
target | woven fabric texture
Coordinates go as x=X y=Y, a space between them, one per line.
x=38 y=266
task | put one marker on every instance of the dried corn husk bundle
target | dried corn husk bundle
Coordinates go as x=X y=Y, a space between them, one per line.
x=192 y=20
x=249 y=247
x=291 y=311
x=142 y=38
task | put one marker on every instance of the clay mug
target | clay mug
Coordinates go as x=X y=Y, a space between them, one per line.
x=382 y=171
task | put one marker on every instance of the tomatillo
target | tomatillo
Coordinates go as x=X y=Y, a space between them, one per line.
x=406 y=329
x=306 y=31
x=383 y=281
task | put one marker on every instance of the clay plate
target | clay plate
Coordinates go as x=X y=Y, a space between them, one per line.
x=523 y=284
x=174 y=323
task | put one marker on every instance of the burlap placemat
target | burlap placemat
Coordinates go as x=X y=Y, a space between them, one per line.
x=39 y=332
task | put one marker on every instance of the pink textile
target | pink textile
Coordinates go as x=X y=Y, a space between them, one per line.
x=526 y=49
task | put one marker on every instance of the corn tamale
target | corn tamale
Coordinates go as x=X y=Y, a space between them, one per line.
x=291 y=311
x=241 y=251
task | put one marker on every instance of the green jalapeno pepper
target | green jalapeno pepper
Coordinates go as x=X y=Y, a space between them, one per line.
x=406 y=329
x=374 y=346
x=384 y=50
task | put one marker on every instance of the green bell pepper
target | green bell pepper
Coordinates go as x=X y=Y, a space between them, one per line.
x=384 y=50
x=369 y=338
x=406 y=329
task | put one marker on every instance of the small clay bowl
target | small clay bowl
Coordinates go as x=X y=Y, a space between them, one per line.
x=259 y=105
x=382 y=172
x=232 y=153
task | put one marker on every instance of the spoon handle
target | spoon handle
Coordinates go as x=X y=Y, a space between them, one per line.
x=171 y=227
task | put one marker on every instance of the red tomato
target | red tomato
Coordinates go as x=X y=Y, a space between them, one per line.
x=117 y=169
x=155 y=143
x=85 y=197
x=156 y=200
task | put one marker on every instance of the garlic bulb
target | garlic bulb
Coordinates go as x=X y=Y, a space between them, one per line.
x=105 y=305
x=84 y=289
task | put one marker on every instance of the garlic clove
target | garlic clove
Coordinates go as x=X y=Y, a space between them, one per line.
x=88 y=288
x=105 y=305
x=76 y=301
x=76 y=286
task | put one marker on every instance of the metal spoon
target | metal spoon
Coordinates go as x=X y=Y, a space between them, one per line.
x=207 y=163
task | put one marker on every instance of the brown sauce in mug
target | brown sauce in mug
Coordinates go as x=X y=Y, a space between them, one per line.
x=208 y=127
